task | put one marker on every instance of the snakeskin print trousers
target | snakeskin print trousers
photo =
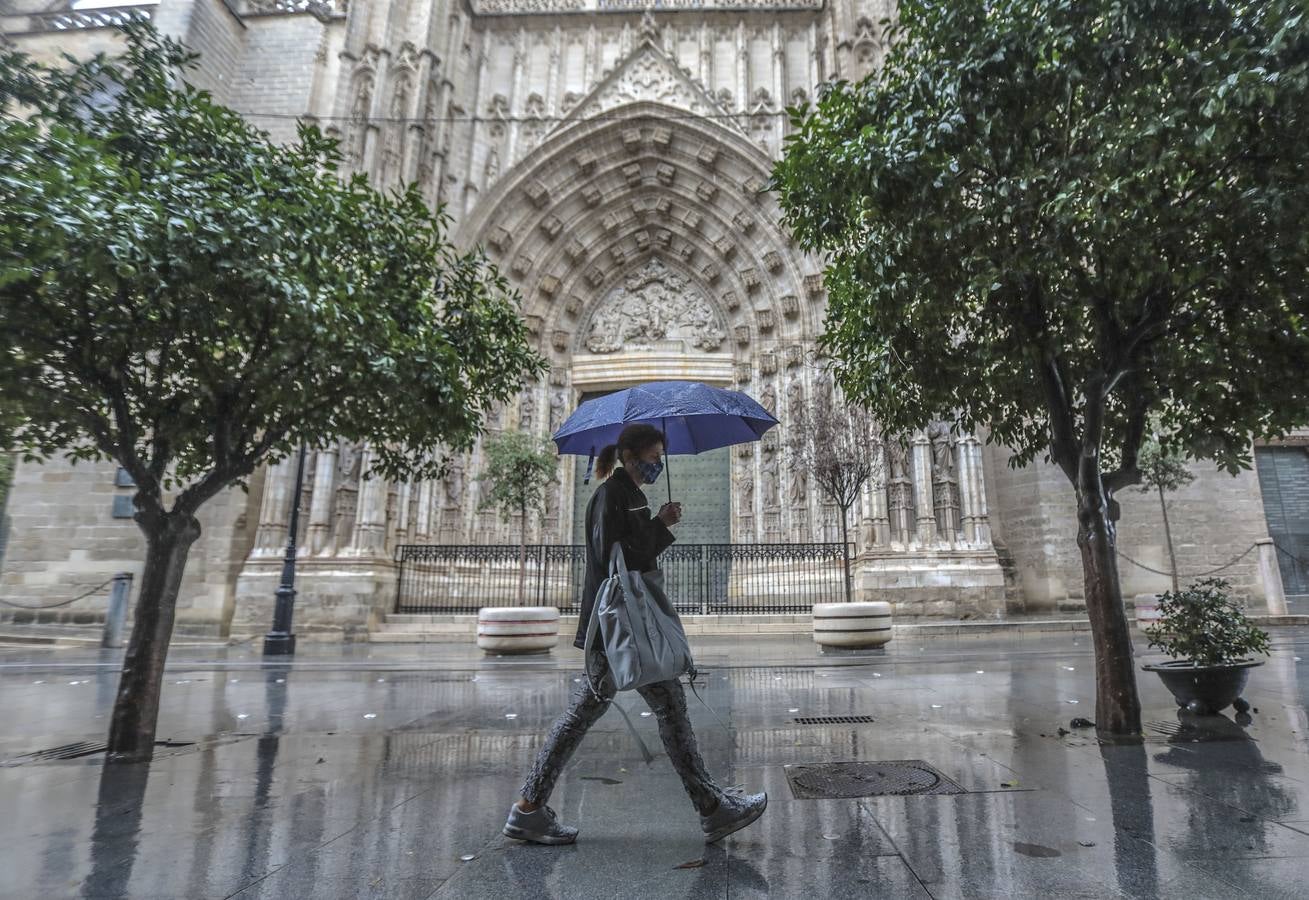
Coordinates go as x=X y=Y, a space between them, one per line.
x=666 y=699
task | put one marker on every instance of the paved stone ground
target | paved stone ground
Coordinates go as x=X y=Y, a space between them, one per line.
x=369 y=771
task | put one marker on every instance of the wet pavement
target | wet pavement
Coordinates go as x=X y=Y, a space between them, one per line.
x=386 y=771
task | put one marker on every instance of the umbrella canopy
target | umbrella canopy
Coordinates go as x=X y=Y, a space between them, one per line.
x=693 y=416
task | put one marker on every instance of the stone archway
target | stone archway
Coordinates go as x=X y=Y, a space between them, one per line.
x=638 y=193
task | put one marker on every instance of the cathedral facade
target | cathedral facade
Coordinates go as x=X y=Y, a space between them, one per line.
x=611 y=156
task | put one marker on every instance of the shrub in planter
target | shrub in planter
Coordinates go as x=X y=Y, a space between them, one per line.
x=1211 y=641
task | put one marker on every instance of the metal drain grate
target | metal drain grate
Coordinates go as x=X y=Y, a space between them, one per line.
x=75 y=750
x=834 y=720
x=847 y=780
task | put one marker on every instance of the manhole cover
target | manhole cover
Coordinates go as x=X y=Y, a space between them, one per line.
x=834 y=720
x=897 y=778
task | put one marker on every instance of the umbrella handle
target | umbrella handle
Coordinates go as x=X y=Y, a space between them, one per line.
x=667 y=456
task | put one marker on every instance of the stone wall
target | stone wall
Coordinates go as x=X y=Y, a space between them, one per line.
x=1214 y=520
x=64 y=539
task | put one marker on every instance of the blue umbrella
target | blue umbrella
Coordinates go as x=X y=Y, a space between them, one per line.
x=694 y=417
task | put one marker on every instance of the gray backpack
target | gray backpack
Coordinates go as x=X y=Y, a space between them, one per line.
x=642 y=636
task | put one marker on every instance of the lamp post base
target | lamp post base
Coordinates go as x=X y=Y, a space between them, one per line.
x=279 y=645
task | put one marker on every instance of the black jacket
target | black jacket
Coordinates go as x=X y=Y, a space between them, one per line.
x=618 y=511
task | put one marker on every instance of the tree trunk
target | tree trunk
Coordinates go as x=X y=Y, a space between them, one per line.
x=1168 y=538
x=136 y=708
x=845 y=550
x=1117 y=705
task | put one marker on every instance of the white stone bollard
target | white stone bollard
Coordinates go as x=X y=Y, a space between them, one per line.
x=517 y=629
x=852 y=625
x=1147 y=609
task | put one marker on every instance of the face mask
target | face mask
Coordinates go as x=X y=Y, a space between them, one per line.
x=649 y=470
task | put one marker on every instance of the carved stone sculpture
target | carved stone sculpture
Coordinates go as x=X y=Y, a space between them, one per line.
x=654 y=304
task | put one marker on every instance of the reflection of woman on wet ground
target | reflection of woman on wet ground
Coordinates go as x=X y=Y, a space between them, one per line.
x=619 y=512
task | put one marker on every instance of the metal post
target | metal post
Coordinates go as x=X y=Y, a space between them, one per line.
x=280 y=641
x=116 y=615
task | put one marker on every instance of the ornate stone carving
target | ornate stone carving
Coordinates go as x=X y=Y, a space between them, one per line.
x=538 y=194
x=813 y=285
x=592 y=195
x=707 y=155
x=725 y=246
x=654 y=304
x=549 y=285
x=499 y=239
x=527 y=411
x=559 y=340
x=731 y=301
x=750 y=278
x=741 y=373
x=574 y=250
x=768 y=362
x=767 y=319
x=551 y=226
x=773 y=261
x=649 y=74
x=711 y=273
x=790 y=305
x=742 y=335
x=794 y=356
x=573 y=306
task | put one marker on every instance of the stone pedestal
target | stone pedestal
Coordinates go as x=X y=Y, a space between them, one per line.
x=932 y=584
x=336 y=599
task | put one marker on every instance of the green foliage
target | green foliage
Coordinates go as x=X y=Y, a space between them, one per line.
x=1205 y=625
x=1055 y=218
x=1161 y=469
x=519 y=468
x=182 y=295
x=6 y=477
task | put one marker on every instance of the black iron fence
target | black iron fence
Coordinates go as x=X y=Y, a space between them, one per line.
x=699 y=578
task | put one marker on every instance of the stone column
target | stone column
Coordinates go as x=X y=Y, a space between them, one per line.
x=369 y=538
x=423 y=521
x=320 y=506
x=972 y=490
x=922 y=469
x=878 y=520
x=400 y=527
x=1271 y=576
x=270 y=537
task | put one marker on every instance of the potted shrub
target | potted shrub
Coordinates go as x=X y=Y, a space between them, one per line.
x=1211 y=642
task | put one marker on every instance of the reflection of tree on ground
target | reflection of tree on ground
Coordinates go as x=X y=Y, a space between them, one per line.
x=1229 y=768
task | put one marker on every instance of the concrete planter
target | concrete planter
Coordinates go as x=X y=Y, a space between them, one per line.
x=1147 y=609
x=517 y=629
x=852 y=625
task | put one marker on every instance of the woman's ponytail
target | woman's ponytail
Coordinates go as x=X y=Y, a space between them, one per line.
x=604 y=463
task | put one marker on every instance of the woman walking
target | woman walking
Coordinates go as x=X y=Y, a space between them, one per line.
x=619 y=512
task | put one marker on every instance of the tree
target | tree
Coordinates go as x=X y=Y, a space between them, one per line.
x=1058 y=219
x=184 y=297
x=840 y=447
x=1165 y=472
x=519 y=467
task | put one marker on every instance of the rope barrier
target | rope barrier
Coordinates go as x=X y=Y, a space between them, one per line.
x=1142 y=565
x=61 y=602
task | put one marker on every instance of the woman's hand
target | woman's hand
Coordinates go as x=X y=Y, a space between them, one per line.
x=670 y=513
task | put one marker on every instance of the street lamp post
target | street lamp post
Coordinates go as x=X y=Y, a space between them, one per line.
x=280 y=641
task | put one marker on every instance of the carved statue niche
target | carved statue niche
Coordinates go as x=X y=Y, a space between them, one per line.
x=360 y=106
x=557 y=402
x=899 y=489
x=799 y=488
x=795 y=404
x=527 y=411
x=768 y=399
x=454 y=483
x=772 y=489
x=945 y=485
x=344 y=497
x=654 y=304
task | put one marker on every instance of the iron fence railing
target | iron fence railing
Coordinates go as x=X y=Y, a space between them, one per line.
x=700 y=578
